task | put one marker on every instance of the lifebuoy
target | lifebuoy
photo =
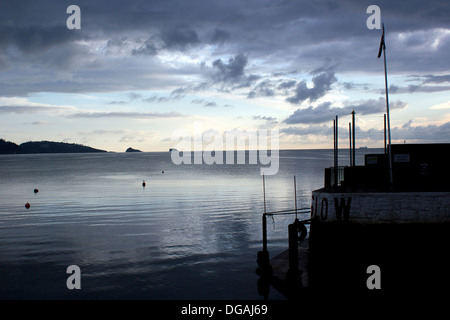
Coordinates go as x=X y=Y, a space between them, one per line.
x=301 y=230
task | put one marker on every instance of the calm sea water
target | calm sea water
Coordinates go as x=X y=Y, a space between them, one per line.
x=192 y=233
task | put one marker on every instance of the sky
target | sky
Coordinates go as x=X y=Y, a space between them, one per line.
x=138 y=72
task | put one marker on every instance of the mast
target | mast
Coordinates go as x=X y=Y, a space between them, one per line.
x=383 y=48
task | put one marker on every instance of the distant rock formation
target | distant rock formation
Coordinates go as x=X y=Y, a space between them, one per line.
x=133 y=150
x=7 y=147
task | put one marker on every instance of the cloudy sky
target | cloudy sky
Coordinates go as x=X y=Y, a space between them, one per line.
x=137 y=71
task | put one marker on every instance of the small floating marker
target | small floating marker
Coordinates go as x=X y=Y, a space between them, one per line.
x=36 y=190
x=27 y=205
x=162 y=171
x=143 y=183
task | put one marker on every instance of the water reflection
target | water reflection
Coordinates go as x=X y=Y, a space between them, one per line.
x=191 y=233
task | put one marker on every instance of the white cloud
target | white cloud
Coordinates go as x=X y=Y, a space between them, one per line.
x=441 y=106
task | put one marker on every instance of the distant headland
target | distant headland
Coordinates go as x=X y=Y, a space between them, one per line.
x=132 y=150
x=7 y=147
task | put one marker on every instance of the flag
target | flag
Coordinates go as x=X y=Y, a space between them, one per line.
x=382 y=45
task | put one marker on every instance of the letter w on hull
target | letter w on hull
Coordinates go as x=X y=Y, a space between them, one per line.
x=342 y=208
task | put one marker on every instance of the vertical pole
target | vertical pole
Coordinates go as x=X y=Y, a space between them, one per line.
x=293 y=249
x=264 y=218
x=350 y=141
x=264 y=192
x=334 y=150
x=264 y=232
x=295 y=193
x=337 y=155
x=387 y=113
x=353 y=138
x=385 y=144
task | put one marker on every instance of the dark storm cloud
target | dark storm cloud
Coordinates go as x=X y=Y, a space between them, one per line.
x=30 y=39
x=297 y=35
x=180 y=37
x=231 y=70
x=220 y=36
x=322 y=84
x=325 y=112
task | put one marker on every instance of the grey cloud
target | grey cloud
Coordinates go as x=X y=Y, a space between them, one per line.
x=101 y=132
x=264 y=118
x=126 y=115
x=134 y=95
x=231 y=70
x=206 y=103
x=437 y=79
x=322 y=130
x=30 y=39
x=421 y=133
x=322 y=84
x=287 y=84
x=425 y=133
x=118 y=102
x=210 y=104
x=29 y=109
x=264 y=89
x=414 y=88
x=39 y=123
x=325 y=112
x=220 y=36
x=413 y=133
x=180 y=37
x=269 y=122
x=299 y=34
x=148 y=48
x=198 y=101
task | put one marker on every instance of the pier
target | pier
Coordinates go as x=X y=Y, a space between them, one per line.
x=287 y=272
x=362 y=218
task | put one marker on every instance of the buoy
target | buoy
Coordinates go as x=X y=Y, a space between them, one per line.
x=162 y=171
x=143 y=183
x=36 y=190
x=27 y=205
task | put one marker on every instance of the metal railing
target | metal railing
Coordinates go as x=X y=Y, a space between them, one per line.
x=283 y=212
x=265 y=269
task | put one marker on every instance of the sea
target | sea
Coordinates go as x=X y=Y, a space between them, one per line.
x=193 y=231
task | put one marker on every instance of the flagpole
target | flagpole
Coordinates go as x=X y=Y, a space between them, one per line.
x=387 y=108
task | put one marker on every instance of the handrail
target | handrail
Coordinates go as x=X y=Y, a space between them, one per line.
x=291 y=211
x=263 y=256
x=283 y=212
